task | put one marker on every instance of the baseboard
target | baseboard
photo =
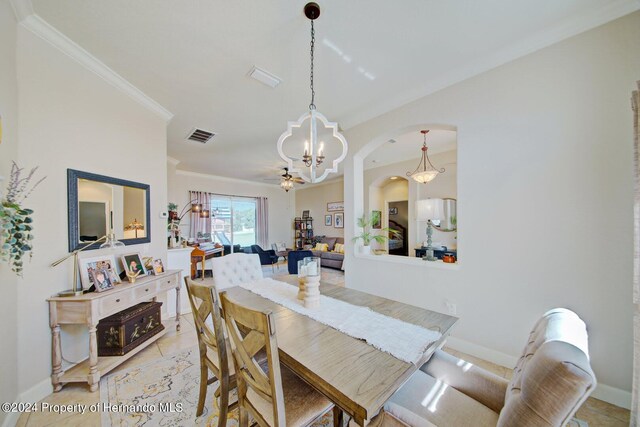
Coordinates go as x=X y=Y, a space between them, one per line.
x=34 y=394
x=615 y=396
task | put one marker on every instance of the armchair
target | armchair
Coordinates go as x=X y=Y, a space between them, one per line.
x=551 y=380
x=268 y=257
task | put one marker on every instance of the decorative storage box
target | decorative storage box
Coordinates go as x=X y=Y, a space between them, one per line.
x=120 y=333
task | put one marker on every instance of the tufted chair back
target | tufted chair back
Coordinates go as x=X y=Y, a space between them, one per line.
x=233 y=269
x=553 y=376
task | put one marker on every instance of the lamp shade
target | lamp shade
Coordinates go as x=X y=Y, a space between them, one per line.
x=429 y=209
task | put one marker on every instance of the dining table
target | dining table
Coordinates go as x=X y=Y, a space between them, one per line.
x=355 y=376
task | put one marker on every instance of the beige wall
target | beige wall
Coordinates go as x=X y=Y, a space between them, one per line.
x=545 y=159
x=8 y=152
x=314 y=199
x=72 y=118
x=281 y=203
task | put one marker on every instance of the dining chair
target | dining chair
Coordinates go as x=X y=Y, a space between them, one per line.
x=234 y=269
x=215 y=352
x=552 y=378
x=274 y=397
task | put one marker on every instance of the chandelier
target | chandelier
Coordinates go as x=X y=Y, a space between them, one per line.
x=424 y=174
x=313 y=154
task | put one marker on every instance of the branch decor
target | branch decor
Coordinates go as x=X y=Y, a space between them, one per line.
x=16 y=224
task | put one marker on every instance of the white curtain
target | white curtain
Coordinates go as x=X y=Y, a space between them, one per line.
x=198 y=224
x=262 y=222
x=635 y=404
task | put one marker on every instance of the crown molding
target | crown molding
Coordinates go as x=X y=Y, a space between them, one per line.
x=564 y=30
x=224 y=178
x=28 y=19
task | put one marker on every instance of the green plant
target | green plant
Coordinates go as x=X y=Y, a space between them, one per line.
x=172 y=207
x=15 y=221
x=367 y=234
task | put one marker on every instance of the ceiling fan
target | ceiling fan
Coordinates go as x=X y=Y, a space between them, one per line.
x=286 y=180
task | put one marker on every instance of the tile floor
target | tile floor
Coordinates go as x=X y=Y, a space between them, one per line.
x=596 y=412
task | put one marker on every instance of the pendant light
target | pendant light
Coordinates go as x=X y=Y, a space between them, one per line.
x=425 y=172
x=312 y=149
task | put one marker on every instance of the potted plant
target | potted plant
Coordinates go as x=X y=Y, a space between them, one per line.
x=367 y=235
x=16 y=224
x=173 y=211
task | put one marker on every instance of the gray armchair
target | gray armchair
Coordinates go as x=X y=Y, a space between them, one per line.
x=551 y=380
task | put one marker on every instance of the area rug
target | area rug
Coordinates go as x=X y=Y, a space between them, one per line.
x=164 y=393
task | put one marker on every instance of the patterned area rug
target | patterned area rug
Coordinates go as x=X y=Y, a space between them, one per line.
x=164 y=393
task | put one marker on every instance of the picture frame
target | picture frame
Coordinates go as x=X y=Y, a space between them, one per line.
x=338 y=220
x=377 y=216
x=335 y=206
x=87 y=265
x=328 y=220
x=393 y=211
x=133 y=263
x=100 y=279
x=158 y=267
x=305 y=214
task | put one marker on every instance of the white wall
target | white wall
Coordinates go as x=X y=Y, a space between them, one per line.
x=314 y=199
x=281 y=203
x=545 y=178
x=71 y=118
x=8 y=152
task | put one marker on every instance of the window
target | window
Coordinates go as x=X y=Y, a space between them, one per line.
x=234 y=220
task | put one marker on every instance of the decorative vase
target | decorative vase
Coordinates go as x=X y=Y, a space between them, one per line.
x=312 y=282
x=366 y=250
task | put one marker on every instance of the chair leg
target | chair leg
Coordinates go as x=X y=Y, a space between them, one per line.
x=243 y=420
x=204 y=371
x=337 y=417
x=224 y=402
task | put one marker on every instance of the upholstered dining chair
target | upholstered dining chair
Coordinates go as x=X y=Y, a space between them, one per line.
x=234 y=269
x=275 y=397
x=215 y=352
x=551 y=380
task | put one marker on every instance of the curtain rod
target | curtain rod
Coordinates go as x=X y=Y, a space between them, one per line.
x=228 y=195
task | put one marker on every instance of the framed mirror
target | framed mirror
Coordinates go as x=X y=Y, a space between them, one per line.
x=450 y=221
x=97 y=203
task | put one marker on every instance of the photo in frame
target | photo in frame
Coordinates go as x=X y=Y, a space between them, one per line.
x=133 y=263
x=377 y=220
x=158 y=267
x=393 y=211
x=100 y=279
x=305 y=214
x=338 y=220
x=335 y=206
x=102 y=262
x=328 y=220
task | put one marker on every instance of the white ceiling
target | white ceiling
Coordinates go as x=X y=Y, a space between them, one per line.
x=193 y=57
x=409 y=145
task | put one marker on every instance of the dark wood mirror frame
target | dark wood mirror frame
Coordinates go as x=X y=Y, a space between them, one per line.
x=72 y=197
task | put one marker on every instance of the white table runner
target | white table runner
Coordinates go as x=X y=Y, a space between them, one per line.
x=402 y=340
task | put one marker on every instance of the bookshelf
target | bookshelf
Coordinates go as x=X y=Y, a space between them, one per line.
x=303 y=232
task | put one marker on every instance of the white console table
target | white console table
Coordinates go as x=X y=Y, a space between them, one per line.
x=88 y=309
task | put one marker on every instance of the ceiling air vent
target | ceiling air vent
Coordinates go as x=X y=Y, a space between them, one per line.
x=200 y=135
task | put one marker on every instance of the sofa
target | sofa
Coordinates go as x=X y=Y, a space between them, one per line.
x=329 y=258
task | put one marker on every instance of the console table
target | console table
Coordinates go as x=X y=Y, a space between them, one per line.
x=88 y=309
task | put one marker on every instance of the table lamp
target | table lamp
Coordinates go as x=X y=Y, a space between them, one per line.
x=429 y=210
x=110 y=242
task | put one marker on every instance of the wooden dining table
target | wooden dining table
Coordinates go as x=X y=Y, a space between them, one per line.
x=354 y=375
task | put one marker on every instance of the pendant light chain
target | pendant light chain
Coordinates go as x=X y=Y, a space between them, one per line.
x=312 y=106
